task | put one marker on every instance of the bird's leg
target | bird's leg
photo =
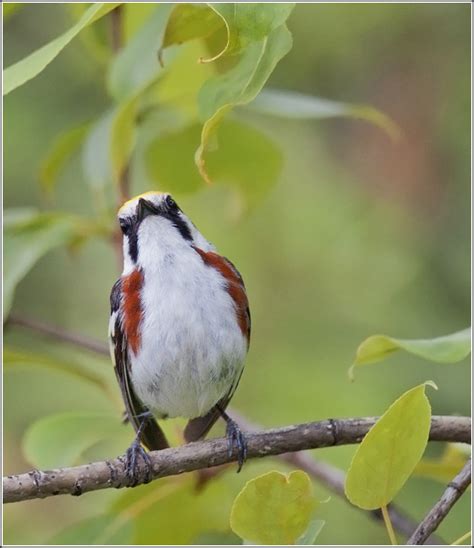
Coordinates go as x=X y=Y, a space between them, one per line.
x=235 y=439
x=136 y=450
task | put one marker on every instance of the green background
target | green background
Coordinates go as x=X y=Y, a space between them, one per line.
x=359 y=236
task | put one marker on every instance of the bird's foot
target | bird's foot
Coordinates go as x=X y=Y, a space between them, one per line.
x=236 y=440
x=132 y=466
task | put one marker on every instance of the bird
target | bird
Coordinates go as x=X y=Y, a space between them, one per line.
x=179 y=329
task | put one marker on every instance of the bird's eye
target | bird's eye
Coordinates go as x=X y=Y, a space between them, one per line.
x=124 y=226
x=170 y=202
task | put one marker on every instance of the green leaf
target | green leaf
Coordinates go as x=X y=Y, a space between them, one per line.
x=169 y=161
x=137 y=63
x=252 y=22
x=390 y=451
x=60 y=440
x=447 y=466
x=122 y=139
x=238 y=86
x=61 y=151
x=29 y=67
x=160 y=509
x=91 y=531
x=447 y=349
x=14 y=359
x=297 y=106
x=312 y=532
x=25 y=243
x=190 y=21
x=273 y=508
x=96 y=153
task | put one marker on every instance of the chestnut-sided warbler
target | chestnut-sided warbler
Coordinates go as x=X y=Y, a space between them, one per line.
x=179 y=327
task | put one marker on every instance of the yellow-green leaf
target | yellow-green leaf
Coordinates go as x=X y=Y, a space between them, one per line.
x=238 y=86
x=169 y=161
x=60 y=440
x=62 y=149
x=390 y=451
x=448 y=465
x=29 y=67
x=190 y=21
x=447 y=349
x=273 y=508
x=91 y=531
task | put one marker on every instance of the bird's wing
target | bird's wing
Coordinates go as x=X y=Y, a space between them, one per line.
x=151 y=435
x=197 y=428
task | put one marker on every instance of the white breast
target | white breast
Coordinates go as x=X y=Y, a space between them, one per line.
x=192 y=350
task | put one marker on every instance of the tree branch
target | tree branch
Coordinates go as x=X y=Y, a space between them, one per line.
x=441 y=509
x=59 y=334
x=207 y=454
x=333 y=479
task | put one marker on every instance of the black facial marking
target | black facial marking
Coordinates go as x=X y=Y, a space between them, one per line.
x=169 y=209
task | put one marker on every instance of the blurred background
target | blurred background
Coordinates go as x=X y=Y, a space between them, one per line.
x=360 y=235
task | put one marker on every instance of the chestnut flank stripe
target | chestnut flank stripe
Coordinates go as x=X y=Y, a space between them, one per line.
x=132 y=308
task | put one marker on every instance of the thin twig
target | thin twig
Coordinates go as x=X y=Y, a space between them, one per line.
x=60 y=334
x=441 y=509
x=206 y=454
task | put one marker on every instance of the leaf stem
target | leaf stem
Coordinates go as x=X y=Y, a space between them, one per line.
x=389 y=526
x=460 y=540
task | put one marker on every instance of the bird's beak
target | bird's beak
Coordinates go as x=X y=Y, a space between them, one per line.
x=144 y=209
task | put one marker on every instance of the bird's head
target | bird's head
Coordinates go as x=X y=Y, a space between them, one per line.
x=152 y=223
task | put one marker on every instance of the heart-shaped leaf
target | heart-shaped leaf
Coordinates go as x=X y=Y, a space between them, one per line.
x=274 y=508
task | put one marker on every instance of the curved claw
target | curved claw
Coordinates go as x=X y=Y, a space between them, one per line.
x=132 y=468
x=236 y=438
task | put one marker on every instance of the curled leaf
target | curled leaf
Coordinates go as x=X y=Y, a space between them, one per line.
x=447 y=349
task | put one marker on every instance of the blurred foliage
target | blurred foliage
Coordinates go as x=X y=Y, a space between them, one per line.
x=339 y=231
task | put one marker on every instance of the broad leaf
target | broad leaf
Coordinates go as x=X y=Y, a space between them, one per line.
x=159 y=510
x=66 y=144
x=252 y=22
x=25 y=243
x=273 y=508
x=390 y=451
x=447 y=349
x=29 y=67
x=190 y=21
x=137 y=63
x=14 y=359
x=103 y=529
x=297 y=106
x=169 y=161
x=60 y=440
x=238 y=86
